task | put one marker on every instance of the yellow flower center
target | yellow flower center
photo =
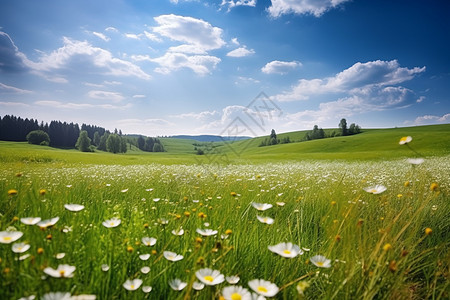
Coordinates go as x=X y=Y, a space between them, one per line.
x=286 y=252
x=111 y=223
x=262 y=289
x=236 y=296
x=132 y=286
x=320 y=263
x=209 y=278
x=62 y=273
x=7 y=238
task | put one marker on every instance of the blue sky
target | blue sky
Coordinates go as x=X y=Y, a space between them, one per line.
x=165 y=67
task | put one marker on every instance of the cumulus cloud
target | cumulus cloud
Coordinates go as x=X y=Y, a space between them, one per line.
x=234 y=3
x=241 y=52
x=189 y=30
x=200 y=64
x=104 y=95
x=111 y=29
x=314 y=7
x=78 y=54
x=280 y=67
x=11 y=60
x=432 y=119
x=355 y=79
x=10 y=89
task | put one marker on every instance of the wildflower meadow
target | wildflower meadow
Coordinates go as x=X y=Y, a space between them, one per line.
x=292 y=230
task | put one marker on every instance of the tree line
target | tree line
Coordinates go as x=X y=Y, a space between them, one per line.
x=59 y=134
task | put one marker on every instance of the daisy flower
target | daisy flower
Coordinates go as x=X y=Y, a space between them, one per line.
x=206 y=232
x=74 y=207
x=198 y=286
x=377 y=189
x=105 y=268
x=263 y=287
x=321 y=261
x=287 y=250
x=145 y=270
x=8 y=237
x=146 y=289
x=63 y=271
x=266 y=220
x=232 y=279
x=48 y=222
x=209 y=277
x=20 y=247
x=30 y=220
x=178 y=232
x=261 y=206
x=56 y=296
x=177 y=285
x=111 y=223
x=172 y=256
x=132 y=285
x=405 y=140
x=236 y=292
x=148 y=241
x=144 y=256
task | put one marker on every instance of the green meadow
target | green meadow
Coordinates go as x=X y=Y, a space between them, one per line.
x=358 y=218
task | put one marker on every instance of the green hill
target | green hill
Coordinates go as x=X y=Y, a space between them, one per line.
x=371 y=144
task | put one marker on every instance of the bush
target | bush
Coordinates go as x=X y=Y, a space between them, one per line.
x=38 y=137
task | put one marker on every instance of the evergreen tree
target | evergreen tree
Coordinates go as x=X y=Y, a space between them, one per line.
x=343 y=127
x=96 y=139
x=141 y=142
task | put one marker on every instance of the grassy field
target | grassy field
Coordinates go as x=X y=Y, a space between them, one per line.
x=394 y=244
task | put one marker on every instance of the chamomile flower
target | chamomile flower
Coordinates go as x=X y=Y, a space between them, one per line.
x=177 y=285
x=63 y=271
x=111 y=223
x=209 y=277
x=30 y=220
x=261 y=206
x=148 y=241
x=105 y=268
x=8 y=237
x=206 y=232
x=56 y=296
x=144 y=256
x=321 y=261
x=74 y=207
x=263 y=287
x=287 y=250
x=146 y=289
x=405 y=140
x=48 y=222
x=20 y=247
x=178 y=231
x=265 y=220
x=236 y=293
x=172 y=256
x=377 y=189
x=198 y=286
x=132 y=285
x=232 y=279
x=145 y=270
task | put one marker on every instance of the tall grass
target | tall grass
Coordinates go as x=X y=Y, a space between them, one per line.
x=326 y=212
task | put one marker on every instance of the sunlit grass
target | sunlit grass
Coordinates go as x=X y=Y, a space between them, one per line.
x=391 y=245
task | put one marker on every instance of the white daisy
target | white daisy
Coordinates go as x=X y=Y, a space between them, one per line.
x=232 y=279
x=320 y=261
x=20 y=247
x=178 y=232
x=48 y=222
x=145 y=270
x=148 y=241
x=209 y=277
x=266 y=220
x=74 y=207
x=132 y=285
x=63 y=271
x=263 y=287
x=146 y=289
x=8 y=237
x=177 y=285
x=172 y=256
x=261 y=206
x=198 y=286
x=206 y=232
x=30 y=220
x=287 y=250
x=144 y=256
x=111 y=223
x=236 y=292
x=377 y=189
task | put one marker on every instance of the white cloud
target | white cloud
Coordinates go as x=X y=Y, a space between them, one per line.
x=431 y=119
x=111 y=29
x=241 y=52
x=152 y=37
x=193 y=32
x=13 y=104
x=69 y=105
x=234 y=3
x=101 y=36
x=139 y=96
x=280 y=67
x=133 y=36
x=85 y=55
x=313 y=7
x=204 y=116
x=104 y=95
x=200 y=64
x=11 y=89
x=355 y=79
x=242 y=79
x=235 y=41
